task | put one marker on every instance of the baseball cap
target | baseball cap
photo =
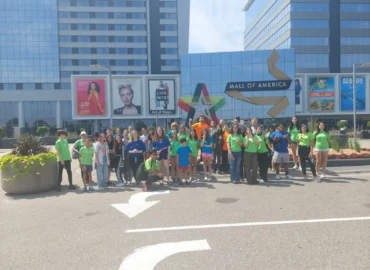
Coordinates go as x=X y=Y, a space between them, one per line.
x=83 y=133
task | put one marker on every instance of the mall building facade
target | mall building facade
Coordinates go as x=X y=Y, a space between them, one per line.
x=44 y=42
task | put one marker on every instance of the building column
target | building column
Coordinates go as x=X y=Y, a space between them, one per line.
x=20 y=115
x=58 y=116
x=96 y=126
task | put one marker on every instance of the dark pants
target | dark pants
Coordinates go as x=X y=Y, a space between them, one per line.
x=251 y=167
x=116 y=163
x=263 y=164
x=269 y=154
x=216 y=162
x=225 y=161
x=243 y=172
x=303 y=153
x=67 y=166
x=134 y=164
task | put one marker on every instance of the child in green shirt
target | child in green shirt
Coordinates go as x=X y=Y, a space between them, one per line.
x=173 y=160
x=86 y=161
x=64 y=159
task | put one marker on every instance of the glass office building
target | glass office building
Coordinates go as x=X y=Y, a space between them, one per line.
x=44 y=42
x=328 y=35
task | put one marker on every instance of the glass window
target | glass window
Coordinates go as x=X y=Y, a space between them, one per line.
x=355 y=40
x=102 y=27
x=169 y=51
x=8 y=114
x=65 y=50
x=355 y=7
x=65 y=74
x=64 y=3
x=172 y=62
x=312 y=61
x=120 y=15
x=140 y=62
x=65 y=86
x=138 y=3
x=84 y=50
x=83 y=26
x=120 y=27
x=121 y=51
x=84 y=62
x=64 y=14
x=101 y=39
x=102 y=50
x=273 y=38
x=310 y=40
x=65 y=38
x=139 y=50
x=168 y=16
x=121 y=39
x=64 y=26
x=103 y=62
x=168 y=27
x=138 y=15
x=347 y=60
x=139 y=27
x=139 y=39
x=168 y=4
x=101 y=15
x=66 y=62
x=310 y=24
x=101 y=3
x=309 y=6
x=84 y=38
x=363 y=24
x=83 y=3
x=83 y=15
x=121 y=62
x=169 y=39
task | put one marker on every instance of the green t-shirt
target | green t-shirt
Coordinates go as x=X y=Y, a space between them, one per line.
x=174 y=145
x=235 y=147
x=293 y=133
x=304 y=138
x=63 y=148
x=87 y=155
x=79 y=144
x=252 y=146
x=261 y=148
x=194 y=146
x=151 y=165
x=183 y=136
x=321 y=140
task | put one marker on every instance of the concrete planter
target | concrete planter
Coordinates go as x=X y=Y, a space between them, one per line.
x=32 y=182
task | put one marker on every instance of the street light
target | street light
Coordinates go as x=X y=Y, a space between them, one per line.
x=354 y=95
x=111 y=92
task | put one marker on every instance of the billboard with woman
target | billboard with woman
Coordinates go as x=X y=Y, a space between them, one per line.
x=127 y=97
x=89 y=98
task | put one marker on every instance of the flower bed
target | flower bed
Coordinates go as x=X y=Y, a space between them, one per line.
x=345 y=154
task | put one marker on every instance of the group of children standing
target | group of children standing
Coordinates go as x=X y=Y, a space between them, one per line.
x=245 y=149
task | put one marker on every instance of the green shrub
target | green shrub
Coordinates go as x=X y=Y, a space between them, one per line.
x=71 y=135
x=151 y=128
x=42 y=130
x=335 y=143
x=2 y=133
x=341 y=124
x=357 y=147
x=115 y=128
x=82 y=129
x=368 y=124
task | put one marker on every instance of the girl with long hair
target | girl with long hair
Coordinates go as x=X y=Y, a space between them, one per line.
x=118 y=160
x=262 y=155
x=193 y=143
x=293 y=130
x=110 y=142
x=183 y=134
x=250 y=156
x=321 y=140
x=218 y=142
x=206 y=145
x=136 y=149
x=305 y=150
x=175 y=143
x=234 y=145
x=161 y=143
x=93 y=98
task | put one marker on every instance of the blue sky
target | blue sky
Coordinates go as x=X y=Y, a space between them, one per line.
x=216 y=25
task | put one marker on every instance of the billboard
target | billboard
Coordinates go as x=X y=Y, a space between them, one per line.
x=162 y=97
x=346 y=93
x=299 y=94
x=321 y=95
x=90 y=97
x=127 y=97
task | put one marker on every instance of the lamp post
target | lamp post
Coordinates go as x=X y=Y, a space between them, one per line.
x=354 y=95
x=110 y=89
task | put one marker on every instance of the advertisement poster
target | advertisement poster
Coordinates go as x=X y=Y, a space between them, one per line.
x=91 y=97
x=321 y=94
x=299 y=94
x=127 y=97
x=162 y=97
x=346 y=93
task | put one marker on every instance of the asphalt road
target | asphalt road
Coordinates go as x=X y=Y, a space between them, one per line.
x=72 y=230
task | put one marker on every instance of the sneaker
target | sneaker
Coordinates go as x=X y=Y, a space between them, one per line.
x=100 y=188
x=234 y=182
x=322 y=176
x=72 y=187
x=120 y=185
x=91 y=189
x=206 y=178
x=218 y=172
x=277 y=177
x=110 y=184
x=317 y=179
x=295 y=167
x=261 y=181
x=84 y=189
x=289 y=177
x=161 y=184
x=300 y=168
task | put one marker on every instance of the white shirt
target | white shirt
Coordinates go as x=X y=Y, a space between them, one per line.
x=98 y=148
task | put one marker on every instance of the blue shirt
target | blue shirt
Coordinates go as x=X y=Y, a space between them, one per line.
x=280 y=146
x=207 y=150
x=165 y=143
x=138 y=145
x=184 y=154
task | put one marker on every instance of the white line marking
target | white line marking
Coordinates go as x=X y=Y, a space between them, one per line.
x=137 y=204
x=146 y=258
x=248 y=224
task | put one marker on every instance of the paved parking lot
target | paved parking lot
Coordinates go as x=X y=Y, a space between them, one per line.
x=214 y=225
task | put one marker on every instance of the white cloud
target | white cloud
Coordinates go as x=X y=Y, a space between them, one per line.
x=216 y=25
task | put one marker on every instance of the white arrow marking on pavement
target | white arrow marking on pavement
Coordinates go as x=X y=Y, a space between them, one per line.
x=137 y=204
x=146 y=258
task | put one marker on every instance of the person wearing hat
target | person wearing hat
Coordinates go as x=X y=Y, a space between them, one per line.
x=78 y=146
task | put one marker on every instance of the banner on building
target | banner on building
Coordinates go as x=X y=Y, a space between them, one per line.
x=162 y=97
x=346 y=93
x=321 y=96
x=299 y=94
x=89 y=98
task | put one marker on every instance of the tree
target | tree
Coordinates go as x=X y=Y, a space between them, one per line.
x=342 y=124
x=42 y=130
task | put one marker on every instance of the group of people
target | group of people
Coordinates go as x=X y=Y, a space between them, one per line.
x=157 y=155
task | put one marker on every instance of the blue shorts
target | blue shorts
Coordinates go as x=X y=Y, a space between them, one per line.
x=86 y=168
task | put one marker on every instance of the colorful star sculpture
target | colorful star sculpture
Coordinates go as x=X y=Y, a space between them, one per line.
x=201 y=104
